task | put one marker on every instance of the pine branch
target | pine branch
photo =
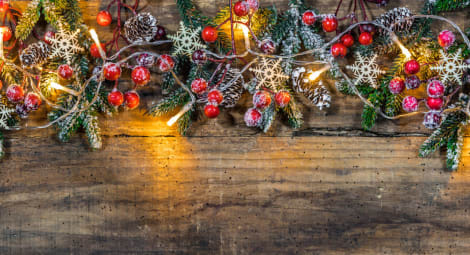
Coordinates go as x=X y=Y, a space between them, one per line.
x=184 y=123
x=28 y=20
x=93 y=131
x=293 y=113
x=268 y=117
x=454 y=149
x=169 y=104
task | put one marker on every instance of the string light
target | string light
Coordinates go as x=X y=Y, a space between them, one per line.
x=55 y=85
x=314 y=75
x=403 y=49
x=95 y=38
x=1 y=42
x=175 y=118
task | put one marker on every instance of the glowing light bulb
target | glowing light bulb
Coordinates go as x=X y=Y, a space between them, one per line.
x=403 y=49
x=55 y=85
x=95 y=38
x=175 y=118
x=1 y=42
x=247 y=38
x=314 y=75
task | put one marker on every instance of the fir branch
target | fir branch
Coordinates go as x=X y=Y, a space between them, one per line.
x=184 y=123
x=93 y=131
x=268 y=117
x=28 y=20
x=190 y=15
x=169 y=104
x=454 y=149
x=293 y=113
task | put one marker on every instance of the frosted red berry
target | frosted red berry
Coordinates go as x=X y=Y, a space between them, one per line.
x=4 y=5
x=432 y=119
x=65 y=72
x=410 y=104
x=308 y=18
x=412 y=67
x=199 y=86
x=165 y=63
x=347 y=40
x=253 y=117
x=330 y=24
x=209 y=34
x=199 y=57
x=282 y=98
x=211 y=111
x=145 y=60
x=446 y=38
x=365 y=38
x=7 y=34
x=435 y=88
x=95 y=51
x=254 y=5
x=112 y=71
x=115 y=97
x=267 y=46
x=339 y=50
x=412 y=82
x=48 y=36
x=215 y=97
x=241 y=8
x=396 y=85
x=161 y=33
x=15 y=93
x=262 y=99
x=434 y=103
x=32 y=101
x=131 y=99
x=104 y=18
x=140 y=75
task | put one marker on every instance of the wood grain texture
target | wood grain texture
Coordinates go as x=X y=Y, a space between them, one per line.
x=329 y=188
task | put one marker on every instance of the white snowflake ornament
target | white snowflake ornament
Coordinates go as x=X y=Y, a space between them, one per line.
x=268 y=73
x=451 y=67
x=365 y=70
x=186 y=40
x=65 y=44
x=5 y=114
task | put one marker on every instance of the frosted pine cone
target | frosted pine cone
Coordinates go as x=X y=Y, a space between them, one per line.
x=231 y=93
x=397 y=20
x=141 y=28
x=320 y=96
x=34 y=54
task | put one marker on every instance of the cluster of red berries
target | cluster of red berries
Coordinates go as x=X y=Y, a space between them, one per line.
x=214 y=98
x=434 y=101
x=24 y=104
x=261 y=100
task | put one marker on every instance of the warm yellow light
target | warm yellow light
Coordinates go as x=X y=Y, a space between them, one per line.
x=314 y=75
x=403 y=49
x=245 y=35
x=55 y=85
x=1 y=42
x=175 y=118
x=95 y=38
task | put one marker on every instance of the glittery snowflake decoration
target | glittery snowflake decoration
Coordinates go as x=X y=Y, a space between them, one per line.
x=186 y=40
x=268 y=73
x=451 y=67
x=5 y=114
x=365 y=70
x=65 y=45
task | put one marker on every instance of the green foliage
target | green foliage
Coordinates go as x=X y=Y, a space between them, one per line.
x=184 y=123
x=168 y=104
x=29 y=19
x=293 y=113
x=190 y=15
x=268 y=116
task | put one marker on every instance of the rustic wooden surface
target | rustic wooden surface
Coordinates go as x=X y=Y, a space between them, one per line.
x=329 y=188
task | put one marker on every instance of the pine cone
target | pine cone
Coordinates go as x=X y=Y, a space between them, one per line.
x=231 y=93
x=397 y=20
x=34 y=54
x=320 y=96
x=141 y=28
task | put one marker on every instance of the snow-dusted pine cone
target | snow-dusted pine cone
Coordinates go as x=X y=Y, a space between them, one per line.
x=320 y=96
x=231 y=93
x=141 y=28
x=397 y=20
x=34 y=54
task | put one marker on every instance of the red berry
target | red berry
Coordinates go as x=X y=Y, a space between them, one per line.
x=368 y=28
x=396 y=85
x=104 y=18
x=199 y=86
x=410 y=104
x=282 y=98
x=347 y=40
x=434 y=103
x=65 y=72
x=115 y=97
x=1 y=84
x=131 y=99
x=435 y=89
x=161 y=33
x=339 y=50
x=254 y=5
x=211 y=111
x=412 y=82
x=308 y=18
x=140 y=75
x=215 y=97
x=412 y=67
x=432 y=119
x=446 y=38
x=95 y=51
x=4 y=5
x=262 y=99
x=199 y=57
x=15 y=93
x=267 y=46
x=209 y=34
x=32 y=101
x=112 y=71
x=365 y=38
x=253 y=117
x=146 y=60
x=48 y=36
x=165 y=63
x=6 y=33
x=330 y=23
x=241 y=8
